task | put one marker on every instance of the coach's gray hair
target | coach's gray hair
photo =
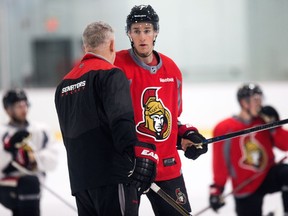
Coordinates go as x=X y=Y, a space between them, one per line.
x=96 y=34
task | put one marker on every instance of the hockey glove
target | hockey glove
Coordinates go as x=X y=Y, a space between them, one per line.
x=15 y=142
x=269 y=114
x=193 y=152
x=192 y=134
x=144 y=171
x=216 y=199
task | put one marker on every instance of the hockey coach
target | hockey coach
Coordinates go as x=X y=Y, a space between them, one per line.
x=108 y=166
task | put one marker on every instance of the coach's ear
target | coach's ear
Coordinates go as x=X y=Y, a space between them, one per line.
x=112 y=46
x=112 y=51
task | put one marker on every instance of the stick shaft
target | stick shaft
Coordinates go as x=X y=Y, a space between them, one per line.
x=246 y=131
x=169 y=200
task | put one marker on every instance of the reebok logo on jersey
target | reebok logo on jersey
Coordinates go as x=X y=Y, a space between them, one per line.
x=164 y=80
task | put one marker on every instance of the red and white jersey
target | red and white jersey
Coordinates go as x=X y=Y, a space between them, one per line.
x=157 y=100
x=41 y=141
x=242 y=157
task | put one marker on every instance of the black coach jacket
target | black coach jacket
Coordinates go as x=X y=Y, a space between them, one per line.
x=96 y=119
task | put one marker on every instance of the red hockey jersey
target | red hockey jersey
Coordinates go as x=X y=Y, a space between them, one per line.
x=242 y=157
x=157 y=99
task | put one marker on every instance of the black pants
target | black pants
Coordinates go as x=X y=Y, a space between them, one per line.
x=111 y=200
x=174 y=188
x=24 y=198
x=276 y=180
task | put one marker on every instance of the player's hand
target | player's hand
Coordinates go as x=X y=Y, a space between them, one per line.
x=144 y=172
x=192 y=144
x=216 y=199
x=13 y=143
x=269 y=114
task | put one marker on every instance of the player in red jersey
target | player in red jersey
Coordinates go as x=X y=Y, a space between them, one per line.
x=250 y=155
x=156 y=90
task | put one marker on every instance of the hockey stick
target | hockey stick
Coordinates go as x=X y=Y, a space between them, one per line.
x=240 y=186
x=169 y=200
x=28 y=172
x=242 y=132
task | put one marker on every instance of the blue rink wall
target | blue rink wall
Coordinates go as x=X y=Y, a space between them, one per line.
x=203 y=106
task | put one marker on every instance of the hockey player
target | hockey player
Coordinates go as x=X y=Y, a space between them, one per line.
x=107 y=165
x=250 y=155
x=28 y=144
x=156 y=89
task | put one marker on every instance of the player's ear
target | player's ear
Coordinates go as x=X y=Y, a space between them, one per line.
x=155 y=35
x=129 y=36
x=9 y=110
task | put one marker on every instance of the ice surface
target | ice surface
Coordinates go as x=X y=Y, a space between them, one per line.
x=203 y=106
x=197 y=175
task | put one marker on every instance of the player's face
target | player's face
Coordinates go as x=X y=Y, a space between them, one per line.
x=255 y=104
x=142 y=35
x=18 y=111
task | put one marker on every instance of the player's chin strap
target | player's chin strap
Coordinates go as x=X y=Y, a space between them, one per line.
x=34 y=173
x=242 y=132
x=169 y=200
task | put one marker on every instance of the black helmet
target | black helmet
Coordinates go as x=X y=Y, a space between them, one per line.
x=13 y=96
x=248 y=90
x=142 y=13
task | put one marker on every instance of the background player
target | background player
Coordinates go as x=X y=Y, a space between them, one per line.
x=30 y=145
x=244 y=157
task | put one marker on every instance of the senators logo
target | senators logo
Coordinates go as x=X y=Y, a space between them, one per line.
x=156 y=118
x=181 y=197
x=254 y=156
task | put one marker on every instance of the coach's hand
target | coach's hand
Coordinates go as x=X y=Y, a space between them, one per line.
x=144 y=171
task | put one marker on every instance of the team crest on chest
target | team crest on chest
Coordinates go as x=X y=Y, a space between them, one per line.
x=156 y=117
x=254 y=156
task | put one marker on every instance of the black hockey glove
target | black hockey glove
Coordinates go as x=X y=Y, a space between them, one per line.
x=269 y=114
x=216 y=199
x=144 y=171
x=193 y=152
x=15 y=142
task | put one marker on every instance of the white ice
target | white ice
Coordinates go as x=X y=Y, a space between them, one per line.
x=204 y=105
x=197 y=175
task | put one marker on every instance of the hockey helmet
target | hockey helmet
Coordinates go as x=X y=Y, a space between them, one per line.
x=13 y=96
x=248 y=90
x=142 y=13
